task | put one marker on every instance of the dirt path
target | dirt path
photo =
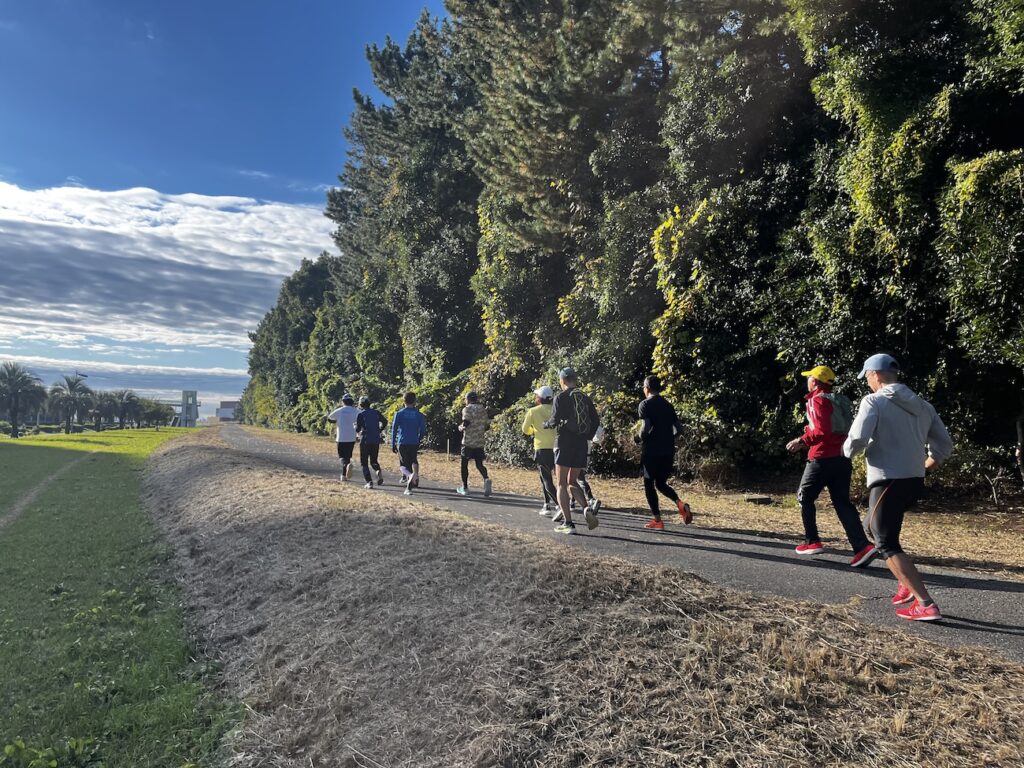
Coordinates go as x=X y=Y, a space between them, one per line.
x=29 y=498
x=363 y=629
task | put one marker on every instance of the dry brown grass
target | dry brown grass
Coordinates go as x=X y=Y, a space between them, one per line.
x=369 y=630
x=994 y=539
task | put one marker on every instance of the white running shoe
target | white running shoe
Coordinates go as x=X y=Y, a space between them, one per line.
x=545 y=511
x=462 y=490
x=348 y=471
x=407 y=491
x=368 y=486
x=380 y=477
x=558 y=517
x=487 y=487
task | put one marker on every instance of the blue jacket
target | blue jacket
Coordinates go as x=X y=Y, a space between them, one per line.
x=408 y=428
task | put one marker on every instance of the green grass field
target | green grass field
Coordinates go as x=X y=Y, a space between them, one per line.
x=95 y=666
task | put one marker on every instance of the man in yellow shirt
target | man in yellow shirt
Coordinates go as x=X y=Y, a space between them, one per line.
x=543 y=447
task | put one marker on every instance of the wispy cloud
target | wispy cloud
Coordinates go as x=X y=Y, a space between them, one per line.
x=255 y=174
x=138 y=266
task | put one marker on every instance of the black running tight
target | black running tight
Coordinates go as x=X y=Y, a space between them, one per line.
x=661 y=484
x=465 y=469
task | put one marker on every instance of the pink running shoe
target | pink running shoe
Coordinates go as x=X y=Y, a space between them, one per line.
x=917 y=612
x=814 y=548
x=864 y=557
x=902 y=596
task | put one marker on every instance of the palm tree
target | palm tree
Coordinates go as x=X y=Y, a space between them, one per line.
x=105 y=409
x=70 y=397
x=20 y=389
x=127 y=405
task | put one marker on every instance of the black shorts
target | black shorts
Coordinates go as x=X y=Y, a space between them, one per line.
x=657 y=468
x=887 y=501
x=345 y=451
x=408 y=455
x=474 y=454
x=570 y=452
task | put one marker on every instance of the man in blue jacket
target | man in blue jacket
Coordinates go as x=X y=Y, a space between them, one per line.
x=407 y=431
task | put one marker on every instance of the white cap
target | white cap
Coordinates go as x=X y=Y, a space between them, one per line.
x=544 y=392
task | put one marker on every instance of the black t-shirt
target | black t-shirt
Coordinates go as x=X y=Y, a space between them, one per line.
x=369 y=425
x=572 y=412
x=659 y=420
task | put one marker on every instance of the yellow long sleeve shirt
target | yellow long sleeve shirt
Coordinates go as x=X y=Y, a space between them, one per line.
x=533 y=425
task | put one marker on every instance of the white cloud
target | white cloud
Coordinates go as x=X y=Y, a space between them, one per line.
x=92 y=366
x=137 y=265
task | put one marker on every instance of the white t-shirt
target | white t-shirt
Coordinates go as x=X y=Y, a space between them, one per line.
x=346 y=417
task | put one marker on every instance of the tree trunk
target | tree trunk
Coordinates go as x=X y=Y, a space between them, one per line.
x=67 y=424
x=14 y=416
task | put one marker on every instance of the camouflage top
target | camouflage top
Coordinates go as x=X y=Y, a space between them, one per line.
x=476 y=420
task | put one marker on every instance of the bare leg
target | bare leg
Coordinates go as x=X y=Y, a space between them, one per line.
x=906 y=573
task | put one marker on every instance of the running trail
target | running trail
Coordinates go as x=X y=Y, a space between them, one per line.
x=977 y=610
x=29 y=498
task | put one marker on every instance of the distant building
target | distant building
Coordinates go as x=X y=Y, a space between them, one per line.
x=228 y=410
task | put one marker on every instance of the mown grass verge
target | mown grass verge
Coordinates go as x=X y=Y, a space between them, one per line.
x=95 y=667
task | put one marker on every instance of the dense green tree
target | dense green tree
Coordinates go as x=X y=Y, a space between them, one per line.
x=724 y=191
x=21 y=392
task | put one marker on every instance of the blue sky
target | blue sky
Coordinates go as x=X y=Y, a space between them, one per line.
x=162 y=167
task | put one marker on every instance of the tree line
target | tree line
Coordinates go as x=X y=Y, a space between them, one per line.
x=24 y=401
x=722 y=192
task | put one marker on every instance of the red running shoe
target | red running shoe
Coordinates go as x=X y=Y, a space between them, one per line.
x=902 y=596
x=814 y=548
x=655 y=525
x=685 y=512
x=864 y=557
x=917 y=612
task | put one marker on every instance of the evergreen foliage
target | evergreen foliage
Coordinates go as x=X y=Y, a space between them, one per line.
x=725 y=192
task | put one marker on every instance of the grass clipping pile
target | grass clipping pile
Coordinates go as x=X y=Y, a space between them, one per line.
x=364 y=630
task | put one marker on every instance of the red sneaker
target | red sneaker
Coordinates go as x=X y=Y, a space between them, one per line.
x=814 y=548
x=917 y=612
x=902 y=596
x=655 y=525
x=864 y=557
x=685 y=512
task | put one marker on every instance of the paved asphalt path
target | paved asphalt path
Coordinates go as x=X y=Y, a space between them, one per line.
x=977 y=610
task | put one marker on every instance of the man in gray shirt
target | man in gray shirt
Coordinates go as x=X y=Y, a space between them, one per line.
x=902 y=437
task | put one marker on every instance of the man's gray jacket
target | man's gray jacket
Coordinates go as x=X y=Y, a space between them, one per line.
x=897 y=430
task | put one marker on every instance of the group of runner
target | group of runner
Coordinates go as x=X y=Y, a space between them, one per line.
x=900 y=434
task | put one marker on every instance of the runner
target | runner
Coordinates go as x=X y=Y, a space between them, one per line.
x=370 y=425
x=407 y=430
x=575 y=418
x=474 y=428
x=345 y=418
x=657 y=439
x=829 y=417
x=543 y=446
x=902 y=437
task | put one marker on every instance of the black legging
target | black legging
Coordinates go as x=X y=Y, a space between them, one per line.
x=545 y=458
x=657 y=471
x=465 y=469
x=368 y=453
x=581 y=481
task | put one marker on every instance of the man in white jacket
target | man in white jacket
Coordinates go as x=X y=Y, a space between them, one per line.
x=902 y=437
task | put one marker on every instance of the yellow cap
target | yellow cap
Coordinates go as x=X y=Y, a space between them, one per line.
x=822 y=373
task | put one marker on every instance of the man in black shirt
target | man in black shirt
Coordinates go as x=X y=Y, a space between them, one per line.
x=658 y=448
x=575 y=418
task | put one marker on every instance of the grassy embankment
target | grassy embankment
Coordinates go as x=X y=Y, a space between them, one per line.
x=94 y=661
x=976 y=538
